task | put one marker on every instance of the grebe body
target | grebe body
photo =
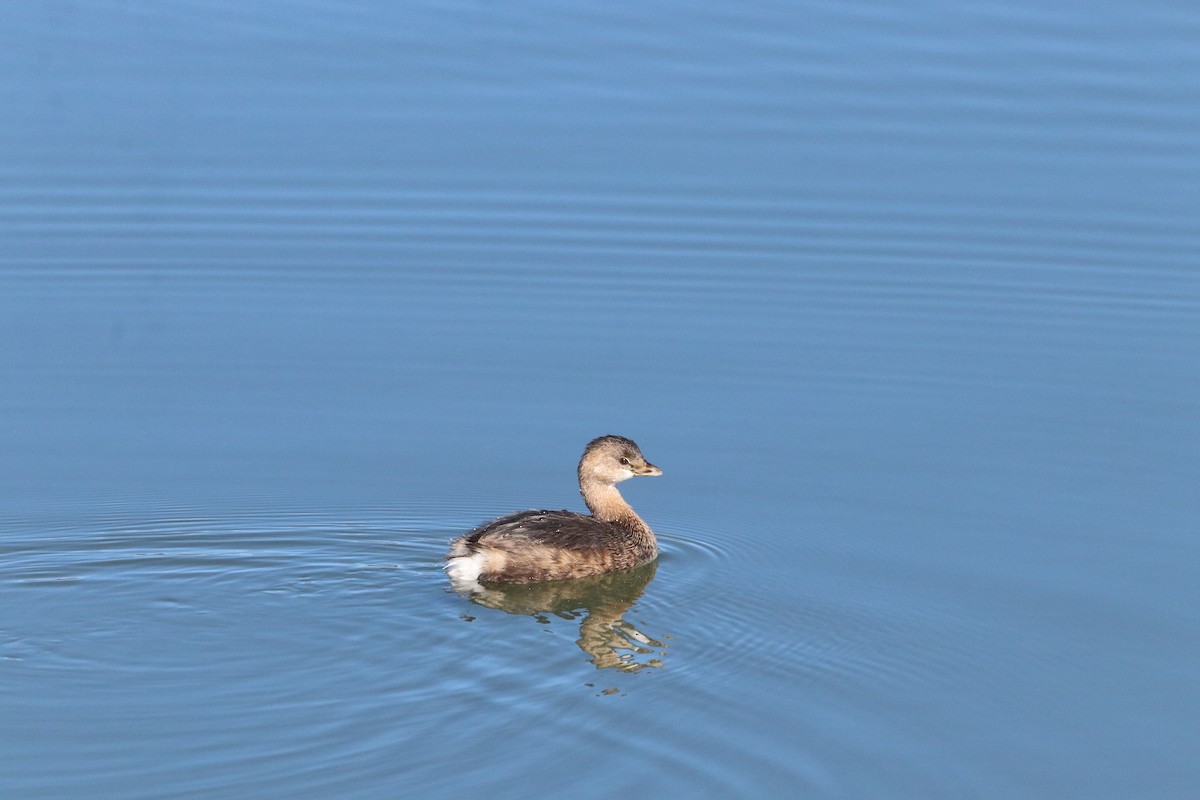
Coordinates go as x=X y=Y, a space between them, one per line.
x=532 y=546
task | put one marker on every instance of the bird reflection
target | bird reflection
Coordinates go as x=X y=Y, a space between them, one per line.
x=599 y=602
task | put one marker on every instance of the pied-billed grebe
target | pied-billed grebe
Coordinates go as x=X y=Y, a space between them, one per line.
x=532 y=546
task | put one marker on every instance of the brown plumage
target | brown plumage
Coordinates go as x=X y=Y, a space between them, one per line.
x=534 y=546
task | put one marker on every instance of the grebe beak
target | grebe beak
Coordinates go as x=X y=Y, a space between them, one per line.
x=647 y=469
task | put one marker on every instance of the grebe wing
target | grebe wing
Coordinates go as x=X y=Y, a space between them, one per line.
x=559 y=529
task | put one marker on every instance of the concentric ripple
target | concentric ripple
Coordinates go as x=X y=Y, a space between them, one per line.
x=307 y=629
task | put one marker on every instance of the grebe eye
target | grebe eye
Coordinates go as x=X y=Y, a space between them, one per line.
x=625 y=461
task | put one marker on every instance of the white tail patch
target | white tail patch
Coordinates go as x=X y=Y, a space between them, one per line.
x=464 y=572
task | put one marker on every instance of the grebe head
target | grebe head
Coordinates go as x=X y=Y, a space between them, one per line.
x=612 y=459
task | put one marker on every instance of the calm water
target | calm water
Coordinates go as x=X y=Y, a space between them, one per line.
x=904 y=300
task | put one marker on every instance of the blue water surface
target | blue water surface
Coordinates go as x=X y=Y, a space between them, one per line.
x=904 y=300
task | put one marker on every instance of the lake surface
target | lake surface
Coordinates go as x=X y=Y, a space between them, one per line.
x=904 y=300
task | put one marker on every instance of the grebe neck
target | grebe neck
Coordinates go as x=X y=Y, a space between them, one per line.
x=607 y=505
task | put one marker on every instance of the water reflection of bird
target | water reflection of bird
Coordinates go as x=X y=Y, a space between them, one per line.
x=602 y=600
x=532 y=546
